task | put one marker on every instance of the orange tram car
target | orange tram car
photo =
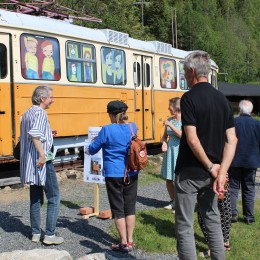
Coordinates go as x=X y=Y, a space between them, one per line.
x=86 y=68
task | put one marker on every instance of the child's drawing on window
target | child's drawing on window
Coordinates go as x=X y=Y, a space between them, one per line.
x=31 y=60
x=48 y=62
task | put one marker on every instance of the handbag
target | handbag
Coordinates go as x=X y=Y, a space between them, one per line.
x=17 y=151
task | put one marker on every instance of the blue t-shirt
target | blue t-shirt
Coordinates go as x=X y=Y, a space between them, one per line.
x=114 y=139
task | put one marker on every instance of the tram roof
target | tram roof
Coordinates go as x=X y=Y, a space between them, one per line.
x=50 y=25
x=47 y=24
x=65 y=27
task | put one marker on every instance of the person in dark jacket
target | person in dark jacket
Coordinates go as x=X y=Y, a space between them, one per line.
x=246 y=161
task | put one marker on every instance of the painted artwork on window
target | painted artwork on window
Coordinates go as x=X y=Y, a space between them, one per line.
x=74 y=71
x=113 y=66
x=40 y=57
x=183 y=82
x=88 y=65
x=168 y=73
x=81 y=62
x=72 y=50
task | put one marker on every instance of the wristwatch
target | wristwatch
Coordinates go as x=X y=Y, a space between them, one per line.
x=210 y=168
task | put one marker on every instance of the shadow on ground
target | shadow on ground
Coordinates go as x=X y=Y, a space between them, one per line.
x=13 y=224
x=151 y=202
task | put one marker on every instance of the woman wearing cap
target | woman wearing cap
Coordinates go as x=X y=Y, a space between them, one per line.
x=114 y=140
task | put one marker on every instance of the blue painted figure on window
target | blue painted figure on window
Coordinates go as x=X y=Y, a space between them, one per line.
x=119 y=71
x=108 y=73
x=88 y=67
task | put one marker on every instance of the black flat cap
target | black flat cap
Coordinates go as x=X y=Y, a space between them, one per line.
x=115 y=107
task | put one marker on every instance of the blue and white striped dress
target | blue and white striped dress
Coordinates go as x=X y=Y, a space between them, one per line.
x=34 y=124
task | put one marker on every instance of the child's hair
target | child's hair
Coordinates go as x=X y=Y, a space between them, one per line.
x=176 y=102
x=29 y=39
x=121 y=117
x=46 y=43
x=76 y=65
x=118 y=53
x=85 y=54
x=106 y=51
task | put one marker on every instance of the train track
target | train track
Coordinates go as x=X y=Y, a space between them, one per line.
x=10 y=172
x=10 y=175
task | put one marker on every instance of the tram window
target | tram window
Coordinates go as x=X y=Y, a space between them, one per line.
x=147 y=75
x=214 y=81
x=113 y=66
x=137 y=74
x=3 y=61
x=182 y=80
x=81 y=62
x=40 y=57
x=168 y=73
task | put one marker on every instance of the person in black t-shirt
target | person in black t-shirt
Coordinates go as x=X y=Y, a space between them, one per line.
x=206 y=150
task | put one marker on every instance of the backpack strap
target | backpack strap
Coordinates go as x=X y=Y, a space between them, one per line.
x=132 y=130
x=126 y=175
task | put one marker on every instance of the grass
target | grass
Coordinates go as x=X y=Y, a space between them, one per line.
x=68 y=204
x=155 y=233
x=150 y=174
x=148 y=178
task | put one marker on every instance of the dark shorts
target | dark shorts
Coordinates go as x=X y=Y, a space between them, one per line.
x=122 y=196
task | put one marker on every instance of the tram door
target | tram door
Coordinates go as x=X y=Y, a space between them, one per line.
x=5 y=97
x=143 y=96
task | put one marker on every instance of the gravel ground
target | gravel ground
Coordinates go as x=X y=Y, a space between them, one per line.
x=81 y=236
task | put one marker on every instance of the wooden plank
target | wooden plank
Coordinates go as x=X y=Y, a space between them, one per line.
x=96 y=203
x=9 y=181
x=96 y=198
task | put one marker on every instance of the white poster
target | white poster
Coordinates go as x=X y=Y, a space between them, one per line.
x=93 y=164
x=93 y=132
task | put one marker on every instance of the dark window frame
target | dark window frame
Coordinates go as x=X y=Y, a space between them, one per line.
x=147 y=79
x=125 y=72
x=41 y=37
x=138 y=73
x=182 y=61
x=3 y=62
x=82 y=61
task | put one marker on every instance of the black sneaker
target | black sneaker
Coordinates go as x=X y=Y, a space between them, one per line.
x=249 y=221
x=234 y=218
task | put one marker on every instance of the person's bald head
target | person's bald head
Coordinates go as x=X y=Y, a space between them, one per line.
x=245 y=107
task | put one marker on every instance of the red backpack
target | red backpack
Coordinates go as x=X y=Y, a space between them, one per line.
x=137 y=157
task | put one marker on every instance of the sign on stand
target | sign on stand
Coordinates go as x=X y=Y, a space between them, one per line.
x=93 y=167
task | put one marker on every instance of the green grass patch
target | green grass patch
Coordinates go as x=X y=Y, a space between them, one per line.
x=148 y=178
x=155 y=233
x=150 y=174
x=256 y=117
x=68 y=204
